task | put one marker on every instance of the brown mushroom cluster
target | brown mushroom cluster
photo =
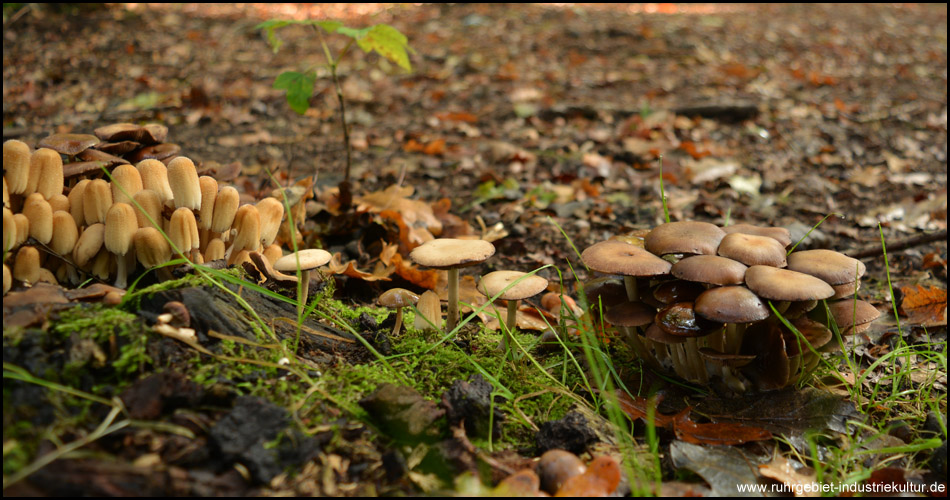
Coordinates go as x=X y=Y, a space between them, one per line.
x=694 y=298
x=64 y=222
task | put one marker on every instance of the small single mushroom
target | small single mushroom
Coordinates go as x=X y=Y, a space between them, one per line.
x=628 y=316
x=853 y=316
x=148 y=208
x=511 y=286
x=152 y=250
x=247 y=223
x=89 y=243
x=59 y=202
x=26 y=265
x=183 y=180
x=752 y=250
x=307 y=261
x=40 y=214
x=155 y=177
x=616 y=257
x=16 y=165
x=209 y=193
x=97 y=198
x=451 y=255
x=47 y=165
x=126 y=181
x=225 y=208
x=734 y=305
x=183 y=233
x=272 y=213
x=65 y=234
x=120 y=229
x=397 y=298
x=429 y=315
x=684 y=237
x=175 y=314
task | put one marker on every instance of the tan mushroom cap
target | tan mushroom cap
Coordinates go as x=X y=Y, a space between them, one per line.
x=183 y=180
x=183 y=230
x=26 y=266
x=38 y=211
x=120 y=228
x=151 y=248
x=779 y=234
x=65 y=233
x=616 y=257
x=247 y=222
x=155 y=177
x=397 y=297
x=311 y=258
x=493 y=283
x=782 y=284
x=47 y=165
x=752 y=250
x=272 y=213
x=149 y=209
x=225 y=208
x=447 y=253
x=850 y=314
x=126 y=181
x=430 y=311
x=711 y=269
x=209 y=191
x=89 y=244
x=97 y=198
x=16 y=165
x=731 y=304
x=69 y=144
x=834 y=268
x=630 y=314
x=686 y=237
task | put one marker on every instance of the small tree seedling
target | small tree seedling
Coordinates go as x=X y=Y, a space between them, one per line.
x=381 y=38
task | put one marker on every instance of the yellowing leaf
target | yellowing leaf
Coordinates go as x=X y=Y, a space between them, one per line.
x=925 y=307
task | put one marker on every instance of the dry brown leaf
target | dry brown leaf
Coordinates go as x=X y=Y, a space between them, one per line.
x=429 y=279
x=720 y=433
x=781 y=470
x=923 y=306
x=380 y=273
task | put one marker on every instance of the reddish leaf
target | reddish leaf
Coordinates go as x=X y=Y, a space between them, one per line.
x=636 y=408
x=727 y=434
x=457 y=117
x=926 y=307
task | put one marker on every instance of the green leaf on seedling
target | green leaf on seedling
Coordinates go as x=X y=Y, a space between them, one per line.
x=299 y=87
x=385 y=40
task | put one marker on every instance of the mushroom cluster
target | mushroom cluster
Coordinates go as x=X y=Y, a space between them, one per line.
x=701 y=301
x=61 y=222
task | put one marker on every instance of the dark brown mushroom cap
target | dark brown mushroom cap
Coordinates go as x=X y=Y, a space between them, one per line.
x=752 y=250
x=814 y=332
x=686 y=237
x=151 y=133
x=69 y=144
x=731 y=304
x=80 y=168
x=711 y=269
x=114 y=148
x=726 y=359
x=448 y=253
x=834 y=268
x=395 y=298
x=848 y=313
x=161 y=152
x=615 y=257
x=656 y=334
x=781 y=284
x=493 y=283
x=671 y=292
x=95 y=154
x=630 y=314
x=604 y=290
x=780 y=234
x=309 y=259
x=680 y=319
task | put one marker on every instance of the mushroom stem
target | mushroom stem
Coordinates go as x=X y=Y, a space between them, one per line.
x=630 y=283
x=453 y=313
x=398 y=322
x=304 y=291
x=633 y=340
x=510 y=324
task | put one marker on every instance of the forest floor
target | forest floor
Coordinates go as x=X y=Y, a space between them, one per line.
x=538 y=127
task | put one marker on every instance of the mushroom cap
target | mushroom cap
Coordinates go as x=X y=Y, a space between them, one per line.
x=9 y=230
x=120 y=228
x=834 y=268
x=430 y=308
x=76 y=201
x=89 y=243
x=209 y=192
x=780 y=234
x=782 y=284
x=494 y=282
x=692 y=237
x=272 y=213
x=395 y=298
x=670 y=292
x=449 y=253
x=849 y=313
x=155 y=177
x=183 y=179
x=26 y=266
x=604 y=290
x=38 y=211
x=816 y=333
x=49 y=170
x=752 y=250
x=97 y=198
x=126 y=181
x=151 y=204
x=680 y=319
x=310 y=259
x=656 y=334
x=16 y=165
x=151 y=248
x=616 y=257
x=247 y=222
x=731 y=304
x=65 y=233
x=148 y=134
x=630 y=314
x=225 y=208
x=69 y=144
x=183 y=230
x=711 y=269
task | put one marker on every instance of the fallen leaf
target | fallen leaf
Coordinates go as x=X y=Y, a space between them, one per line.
x=380 y=273
x=724 y=468
x=923 y=306
x=799 y=480
x=636 y=408
x=725 y=433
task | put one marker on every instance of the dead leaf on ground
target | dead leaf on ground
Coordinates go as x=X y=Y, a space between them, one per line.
x=923 y=306
x=719 y=433
x=722 y=467
x=797 y=479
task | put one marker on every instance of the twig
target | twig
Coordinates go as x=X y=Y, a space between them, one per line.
x=895 y=246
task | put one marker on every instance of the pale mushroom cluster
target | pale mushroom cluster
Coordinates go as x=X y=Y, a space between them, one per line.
x=62 y=228
x=693 y=298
